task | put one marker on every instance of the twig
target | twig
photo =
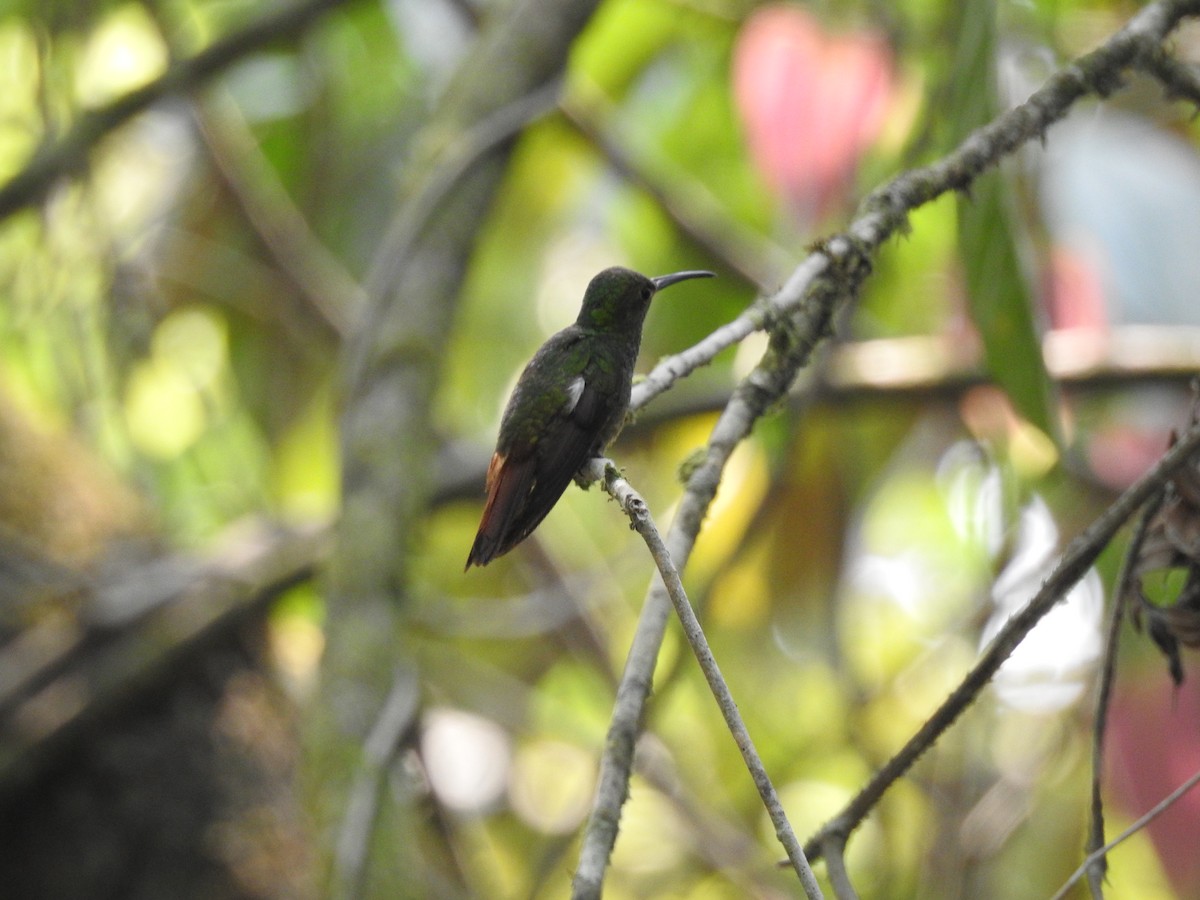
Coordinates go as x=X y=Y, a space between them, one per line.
x=588 y=880
x=1159 y=808
x=1178 y=78
x=1099 y=865
x=70 y=153
x=835 y=864
x=1075 y=562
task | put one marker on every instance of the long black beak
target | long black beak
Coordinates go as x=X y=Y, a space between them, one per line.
x=664 y=281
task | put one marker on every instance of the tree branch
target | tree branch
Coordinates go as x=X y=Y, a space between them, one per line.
x=1180 y=79
x=834 y=853
x=590 y=874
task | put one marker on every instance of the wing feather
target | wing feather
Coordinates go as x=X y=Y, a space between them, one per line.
x=530 y=471
x=508 y=482
x=558 y=460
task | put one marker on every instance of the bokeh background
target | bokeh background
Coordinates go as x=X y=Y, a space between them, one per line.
x=175 y=317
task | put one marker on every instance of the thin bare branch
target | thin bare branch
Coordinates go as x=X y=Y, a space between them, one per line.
x=1180 y=79
x=834 y=853
x=1099 y=865
x=589 y=875
x=1159 y=808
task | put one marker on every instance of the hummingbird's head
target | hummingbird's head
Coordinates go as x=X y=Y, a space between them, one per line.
x=617 y=299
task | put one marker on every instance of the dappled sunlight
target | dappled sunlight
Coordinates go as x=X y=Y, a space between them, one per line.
x=654 y=839
x=551 y=785
x=18 y=102
x=122 y=54
x=1053 y=665
x=163 y=409
x=183 y=390
x=911 y=558
x=467 y=758
x=741 y=490
x=923 y=570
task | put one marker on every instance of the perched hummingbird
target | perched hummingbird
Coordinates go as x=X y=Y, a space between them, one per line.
x=568 y=404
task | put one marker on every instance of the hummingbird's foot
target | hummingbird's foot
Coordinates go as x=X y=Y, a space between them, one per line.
x=593 y=470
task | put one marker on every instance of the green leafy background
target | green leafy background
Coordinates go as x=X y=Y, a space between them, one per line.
x=144 y=324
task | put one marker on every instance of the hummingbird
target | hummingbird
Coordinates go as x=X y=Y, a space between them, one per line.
x=569 y=403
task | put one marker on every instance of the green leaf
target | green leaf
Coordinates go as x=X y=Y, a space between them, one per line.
x=1000 y=301
x=999 y=295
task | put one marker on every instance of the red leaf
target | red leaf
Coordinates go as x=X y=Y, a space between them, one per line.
x=812 y=102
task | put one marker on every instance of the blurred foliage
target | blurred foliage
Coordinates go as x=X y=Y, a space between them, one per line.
x=992 y=247
x=848 y=567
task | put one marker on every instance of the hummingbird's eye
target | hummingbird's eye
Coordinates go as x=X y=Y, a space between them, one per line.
x=647 y=292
